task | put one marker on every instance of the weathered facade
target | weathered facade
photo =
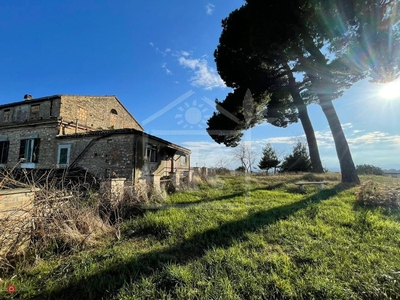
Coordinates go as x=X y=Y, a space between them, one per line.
x=96 y=133
x=127 y=153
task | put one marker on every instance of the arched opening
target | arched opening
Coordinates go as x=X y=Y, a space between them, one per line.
x=113 y=118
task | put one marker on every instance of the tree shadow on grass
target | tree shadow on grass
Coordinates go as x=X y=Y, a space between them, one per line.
x=108 y=282
x=224 y=197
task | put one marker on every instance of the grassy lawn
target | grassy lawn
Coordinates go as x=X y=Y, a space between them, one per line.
x=235 y=238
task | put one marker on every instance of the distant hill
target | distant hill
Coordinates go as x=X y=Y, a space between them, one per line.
x=392 y=171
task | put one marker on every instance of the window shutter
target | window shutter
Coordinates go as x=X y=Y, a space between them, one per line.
x=36 y=146
x=4 y=156
x=22 y=149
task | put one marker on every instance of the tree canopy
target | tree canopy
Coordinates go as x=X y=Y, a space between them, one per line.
x=328 y=43
x=272 y=85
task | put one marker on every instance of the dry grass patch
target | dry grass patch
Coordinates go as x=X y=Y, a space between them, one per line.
x=374 y=194
x=59 y=221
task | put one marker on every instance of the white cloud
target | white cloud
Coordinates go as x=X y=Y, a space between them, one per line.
x=357 y=131
x=208 y=153
x=279 y=140
x=204 y=76
x=185 y=53
x=188 y=62
x=167 y=71
x=347 y=125
x=210 y=8
x=374 y=139
x=180 y=53
x=201 y=145
x=163 y=53
x=325 y=139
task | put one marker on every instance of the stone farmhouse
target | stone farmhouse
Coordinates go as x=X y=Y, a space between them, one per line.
x=94 y=133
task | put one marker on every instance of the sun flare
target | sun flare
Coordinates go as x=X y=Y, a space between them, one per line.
x=390 y=90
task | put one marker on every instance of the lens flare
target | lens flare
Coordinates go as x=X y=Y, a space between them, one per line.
x=390 y=91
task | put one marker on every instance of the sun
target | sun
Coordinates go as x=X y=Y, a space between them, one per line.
x=390 y=91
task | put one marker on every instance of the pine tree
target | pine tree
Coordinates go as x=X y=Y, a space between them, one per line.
x=269 y=159
x=298 y=161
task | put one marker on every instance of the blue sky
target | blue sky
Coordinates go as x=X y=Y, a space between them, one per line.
x=157 y=58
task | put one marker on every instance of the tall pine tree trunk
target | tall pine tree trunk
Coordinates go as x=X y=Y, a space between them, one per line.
x=311 y=139
x=349 y=174
x=324 y=86
x=305 y=122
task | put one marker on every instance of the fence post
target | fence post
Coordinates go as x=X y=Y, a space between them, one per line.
x=113 y=188
x=155 y=181
x=204 y=172
x=175 y=178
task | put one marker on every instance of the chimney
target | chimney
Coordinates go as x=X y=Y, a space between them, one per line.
x=28 y=97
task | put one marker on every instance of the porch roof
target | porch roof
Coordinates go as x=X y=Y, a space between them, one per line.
x=132 y=131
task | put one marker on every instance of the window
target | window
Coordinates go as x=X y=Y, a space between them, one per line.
x=4 y=146
x=63 y=155
x=29 y=151
x=6 y=115
x=183 y=160
x=35 y=112
x=151 y=153
x=113 y=118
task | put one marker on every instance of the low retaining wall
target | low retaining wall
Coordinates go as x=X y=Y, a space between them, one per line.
x=113 y=190
x=16 y=207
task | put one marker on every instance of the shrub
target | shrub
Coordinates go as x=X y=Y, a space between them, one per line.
x=298 y=161
x=369 y=170
x=240 y=169
x=371 y=194
x=222 y=171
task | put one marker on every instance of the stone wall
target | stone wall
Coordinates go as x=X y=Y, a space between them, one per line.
x=16 y=202
x=16 y=220
x=121 y=155
x=48 y=109
x=48 y=145
x=96 y=112
x=203 y=172
x=106 y=156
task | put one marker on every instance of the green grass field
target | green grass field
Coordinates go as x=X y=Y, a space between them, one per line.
x=235 y=238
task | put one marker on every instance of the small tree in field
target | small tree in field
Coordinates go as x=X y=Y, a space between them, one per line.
x=269 y=159
x=244 y=154
x=221 y=166
x=298 y=161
